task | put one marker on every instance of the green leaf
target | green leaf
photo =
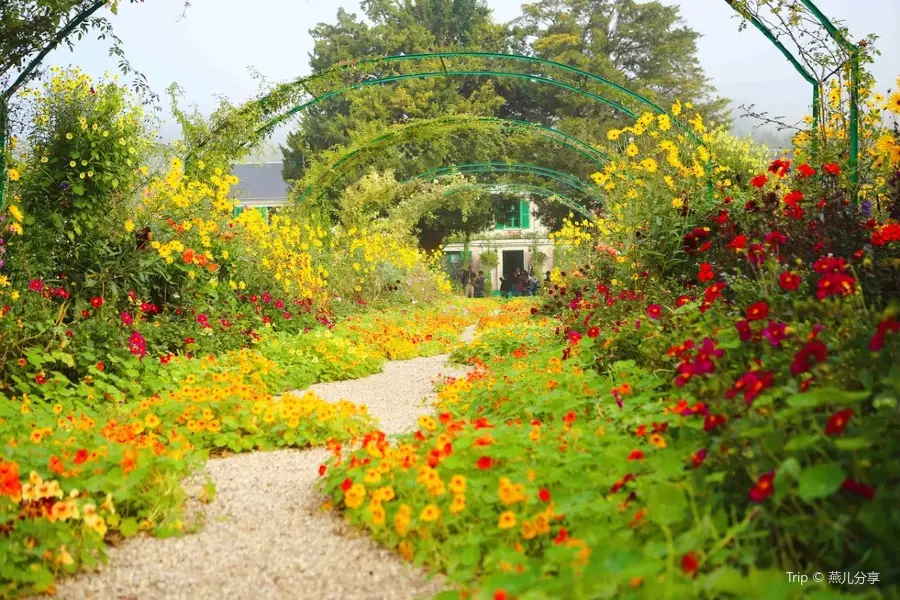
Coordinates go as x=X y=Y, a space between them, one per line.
x=801 y=442
x=823 y=396
x=851 y=443
x=129 y=527
x=115 y=183
x=820 y=481
x=667 y=504
x=78 y=189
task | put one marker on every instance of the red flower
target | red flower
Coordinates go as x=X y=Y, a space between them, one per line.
x=689 y=563
x=100 y=366
x=838 y=421
x=713 y=422
x=757 y=311
x=793 y=198
x=889 y=325
x=544 y=495
x=775 y=239
x=866 y=491
x=81 y=456
x=706 y=273
x=574 y=337
x=789 y=281
x=593 y=332
x=322 y=470
x=654 y=311
x=780 y=167
x=722 y=217
x=484 y=463
x=127 y=319
x=35 y=285
x=832 y=169
x=40 y=379
x=636 y=455
x=759 y=181
x=96 y=301
x=698 y=457
x=813 y=350
x=562 y=537
x=744 y=330
x=682 y=300
x=188 y=340
x=738 y=243
x=835 y=284
x=346 y=484
x=85 y=314
x=501 y=595
x=805 y=171
x=763 y=488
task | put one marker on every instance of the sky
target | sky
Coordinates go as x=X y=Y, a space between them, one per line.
x=222 y=47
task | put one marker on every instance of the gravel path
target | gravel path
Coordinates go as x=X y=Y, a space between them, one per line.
x=265 y=535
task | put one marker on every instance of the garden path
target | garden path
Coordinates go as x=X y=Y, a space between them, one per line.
x=265 y=536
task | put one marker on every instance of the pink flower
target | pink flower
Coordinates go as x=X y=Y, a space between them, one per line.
x=127 y=319
x=36 y=285
x=137 y=344
x=654 y=311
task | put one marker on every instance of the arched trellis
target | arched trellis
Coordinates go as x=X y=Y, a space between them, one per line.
x=290 y=99
x=521 y=169
x=440 y=124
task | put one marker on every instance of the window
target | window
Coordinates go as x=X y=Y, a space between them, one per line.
x=514 y=215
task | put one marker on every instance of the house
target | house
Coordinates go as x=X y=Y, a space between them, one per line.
x=517 y=237
x=260 y=186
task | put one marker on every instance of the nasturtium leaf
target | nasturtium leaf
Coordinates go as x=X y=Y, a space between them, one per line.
x=820 y=481
x=802 y=442
x=129 y=527
x=666 y=503
x=851 y=443
x=823 y=396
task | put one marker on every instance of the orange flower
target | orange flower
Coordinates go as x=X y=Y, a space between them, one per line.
x=129 y=461
x=56 y=465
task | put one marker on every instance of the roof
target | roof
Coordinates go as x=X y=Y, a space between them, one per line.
x=260 y=182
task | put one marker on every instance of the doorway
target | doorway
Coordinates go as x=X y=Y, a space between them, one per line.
x=512 y=260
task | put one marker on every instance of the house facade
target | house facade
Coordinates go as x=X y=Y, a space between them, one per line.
x=519 y=239
x=260 y=187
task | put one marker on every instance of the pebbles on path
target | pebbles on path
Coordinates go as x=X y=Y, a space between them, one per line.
x=265 y=536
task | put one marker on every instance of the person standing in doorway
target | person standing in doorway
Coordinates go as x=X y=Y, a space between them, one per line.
x=479 y=285
x=468 y=281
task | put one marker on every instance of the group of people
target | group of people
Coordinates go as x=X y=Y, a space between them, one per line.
x=517 y=283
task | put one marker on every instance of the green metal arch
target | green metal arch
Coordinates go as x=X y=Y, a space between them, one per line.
x=573 y=143
x=517 y=168
x=275 y=121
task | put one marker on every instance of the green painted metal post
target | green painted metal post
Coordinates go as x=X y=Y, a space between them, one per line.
x=4 y=127
x=853 y=51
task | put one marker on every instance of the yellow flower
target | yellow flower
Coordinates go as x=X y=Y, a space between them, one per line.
x=430 y=513
x=632 y=150
x=677 y=202
x=72 y=163
x=893 y=104
x=507 y=520
x=129 y=225
x=458 y=484
x=16 y=212
x=14 y=174
x=69 y=136
x=613 y=134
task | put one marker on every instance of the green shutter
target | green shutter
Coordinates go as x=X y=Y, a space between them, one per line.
x=265 y=213
x=237 y=211
x=525 y=214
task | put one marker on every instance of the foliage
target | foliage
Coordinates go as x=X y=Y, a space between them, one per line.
x=75 y=472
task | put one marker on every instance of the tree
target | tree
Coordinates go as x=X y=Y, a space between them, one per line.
x=642 y=46
x=30 y=30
